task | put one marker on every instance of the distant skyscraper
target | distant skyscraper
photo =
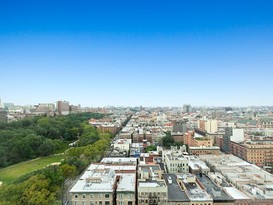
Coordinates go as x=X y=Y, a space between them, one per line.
x=186 y=108
x=63 y=107
x=226 y=139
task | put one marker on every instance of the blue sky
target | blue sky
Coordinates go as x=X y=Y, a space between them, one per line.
x=150 y=53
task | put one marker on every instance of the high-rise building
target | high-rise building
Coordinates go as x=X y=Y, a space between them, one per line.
x=237 y=135
x=186 y=108
x=210 y=126
x=63 y=107
x=226 y=139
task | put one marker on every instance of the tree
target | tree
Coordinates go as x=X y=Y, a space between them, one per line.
x=150 y=148
x=168 y=140
x=37 y=191
x=68 y=171
x=47 y=148
x=3 y=156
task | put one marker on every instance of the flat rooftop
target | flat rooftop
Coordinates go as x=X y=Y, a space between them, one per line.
x=193 y=191
x=254 y=182
x=175 y=194
x=101 y=178
x=151 y=183
x=235 y=193
x=204 y=148
x=210 y=186
x=127 y=183
x=121 y=160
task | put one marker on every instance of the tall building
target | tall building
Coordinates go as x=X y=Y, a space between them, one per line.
x=226 y=139
x=237 y=135
x=210 y=126
x=63 y=107
x=186 y=108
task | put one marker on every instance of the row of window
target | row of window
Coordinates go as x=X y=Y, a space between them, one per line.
x=122 y=203
x=201 y=204
x=100 y=203
x=121 y=196
x=91 y=203
x=152 y=194
x=106 y=196
x=178 y=165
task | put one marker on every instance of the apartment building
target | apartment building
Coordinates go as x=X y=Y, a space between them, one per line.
x=175 y=161
x=259 y=152
x=152 y=192
x=194 y=190
x=254 y=182
x=152 y=188
x=112 y=181
x=63 y=107
x=265 y=122
x=176 y=196
x=203 y=150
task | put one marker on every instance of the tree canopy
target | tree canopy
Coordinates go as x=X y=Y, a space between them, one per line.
x=39 y=137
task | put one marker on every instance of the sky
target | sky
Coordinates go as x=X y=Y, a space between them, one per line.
x=137 y=52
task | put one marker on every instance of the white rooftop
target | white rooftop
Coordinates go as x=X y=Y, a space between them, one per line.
x=121 y=160
x=127 y=182
x=235 y=193
x=101 y=177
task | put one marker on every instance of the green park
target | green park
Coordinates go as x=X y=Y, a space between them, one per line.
x=9 y=174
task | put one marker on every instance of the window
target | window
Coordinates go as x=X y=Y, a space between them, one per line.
x=92 y=203
x=76 y=196
x=91 y=196
x=121 y=196
x=75 y=203
x=106 y=196
x=130 y=203
x=100 y=196
x=129 y=196
x=83 y=196
x=100 y=202
x=83 y=202
x=107 y=203
x=121 y=203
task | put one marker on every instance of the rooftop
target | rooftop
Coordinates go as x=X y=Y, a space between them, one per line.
x=235 y=193
x=205 y=148
x=101 y=177
x=216 y=193
x=121 y=160
x=253 y=181
x=174 y=191
x=193 y=191
x=127 y=183
x=151 y=183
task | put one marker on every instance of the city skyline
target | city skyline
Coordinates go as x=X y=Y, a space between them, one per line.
x=137 y=53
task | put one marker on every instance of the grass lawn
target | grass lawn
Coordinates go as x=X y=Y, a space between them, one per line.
x=11 y=173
